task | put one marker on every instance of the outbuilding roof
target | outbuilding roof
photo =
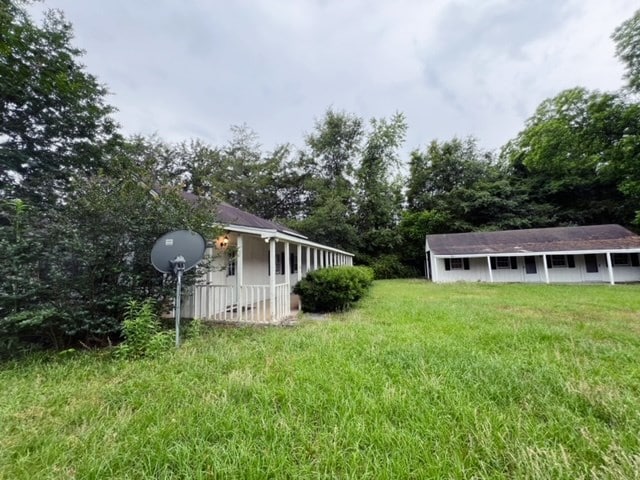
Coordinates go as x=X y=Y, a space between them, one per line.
x=535 y=240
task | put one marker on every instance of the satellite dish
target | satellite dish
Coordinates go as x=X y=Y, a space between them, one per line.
x=189 y=245
x=175 y=253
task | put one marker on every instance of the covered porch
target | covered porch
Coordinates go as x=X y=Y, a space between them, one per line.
x=253 y=274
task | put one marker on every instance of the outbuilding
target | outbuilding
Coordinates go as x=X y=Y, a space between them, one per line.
x=596 y=253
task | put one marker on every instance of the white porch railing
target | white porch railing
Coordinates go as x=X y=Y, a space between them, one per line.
x=247 y=303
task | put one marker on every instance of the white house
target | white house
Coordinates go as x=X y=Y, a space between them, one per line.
x=255 y=264
x=598 y=253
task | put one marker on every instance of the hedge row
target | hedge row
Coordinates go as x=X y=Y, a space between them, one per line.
x=333 y=289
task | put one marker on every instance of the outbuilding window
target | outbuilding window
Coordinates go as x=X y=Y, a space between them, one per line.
x=456 y=264
x=561 y=261
x=625 y=260
x=504 y=263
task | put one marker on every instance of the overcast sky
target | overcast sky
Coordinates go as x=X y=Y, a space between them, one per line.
x=192 y=68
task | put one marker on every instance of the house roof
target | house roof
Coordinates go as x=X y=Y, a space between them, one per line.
x=232 y=216
x=234 y=219
x=535 y=240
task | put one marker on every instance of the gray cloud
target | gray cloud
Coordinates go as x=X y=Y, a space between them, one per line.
x=454 y=67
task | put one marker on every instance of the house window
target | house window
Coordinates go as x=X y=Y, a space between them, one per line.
x=279 y=263
x=293 y=262
x=231 y=267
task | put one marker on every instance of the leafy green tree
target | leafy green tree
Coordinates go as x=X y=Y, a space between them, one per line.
x=578 y=153
x=54 y=121
x=326 y=171
x=91 y=257
x=627 y=40
x=379 y=195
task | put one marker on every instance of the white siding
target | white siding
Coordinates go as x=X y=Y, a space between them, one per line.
x=479 y=271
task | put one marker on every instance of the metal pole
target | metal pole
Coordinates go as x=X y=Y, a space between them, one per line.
x=178 y=292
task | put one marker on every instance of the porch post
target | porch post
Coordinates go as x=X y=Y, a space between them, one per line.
x=490 y=271
x=546 y=268
x=434 y=263
x=239 y=272
x=299 y=260
x=610 y=268
x=287 y=264
x=315 y=258
x=308 y=262
x=321 y=259
x=272 y=277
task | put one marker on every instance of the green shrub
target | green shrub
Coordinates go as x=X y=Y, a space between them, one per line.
x=142 y=332
x=333 y=289
x=390 y=266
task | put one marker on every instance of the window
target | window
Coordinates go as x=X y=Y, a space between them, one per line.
x=625 y=260
x=231 y=266
x=293 y=262
x=503 y=263
x=561 y=261
x=456 y=264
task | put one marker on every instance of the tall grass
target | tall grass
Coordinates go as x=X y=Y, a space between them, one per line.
x=421 y=381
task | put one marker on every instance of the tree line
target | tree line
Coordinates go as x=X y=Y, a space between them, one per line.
x=81 y=204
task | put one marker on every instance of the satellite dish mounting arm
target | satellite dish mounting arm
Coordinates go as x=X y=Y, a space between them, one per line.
x=178 y=265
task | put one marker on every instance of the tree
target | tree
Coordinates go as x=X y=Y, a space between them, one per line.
x=627 y=40
x=79 y=264
x=379 y=196
x=54 y=121
x=578 y=153
x=326 y=172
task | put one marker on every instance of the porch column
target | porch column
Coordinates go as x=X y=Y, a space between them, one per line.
x=239 y=271
x=490 y=271
x=321 y=259
x=287 y=264
x=546 y=268
x=308 y=262
x=272 y=277
x=610 y=268
x=434 y=262
x=351 y=261
x=299 y=260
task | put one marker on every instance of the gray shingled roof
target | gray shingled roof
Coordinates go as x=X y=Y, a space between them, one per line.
x=230 y=215
x=557 y=239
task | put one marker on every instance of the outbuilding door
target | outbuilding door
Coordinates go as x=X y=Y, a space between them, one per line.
x=592 y=268
x=531 y=273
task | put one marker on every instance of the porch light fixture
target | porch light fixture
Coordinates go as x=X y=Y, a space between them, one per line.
x=224 y=241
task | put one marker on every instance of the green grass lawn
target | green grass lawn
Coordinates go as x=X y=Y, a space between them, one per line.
x=421 y=381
